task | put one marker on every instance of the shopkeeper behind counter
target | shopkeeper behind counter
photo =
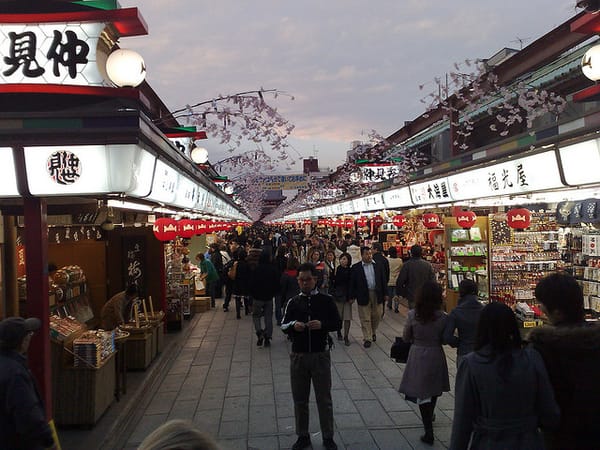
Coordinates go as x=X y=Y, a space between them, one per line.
x=118 y=308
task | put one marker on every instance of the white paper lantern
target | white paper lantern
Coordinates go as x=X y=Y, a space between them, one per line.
x=126 y=68
x=590 y=64
x=199 y=155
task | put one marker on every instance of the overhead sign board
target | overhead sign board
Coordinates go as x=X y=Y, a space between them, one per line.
x=283 y=182
x=521 y=175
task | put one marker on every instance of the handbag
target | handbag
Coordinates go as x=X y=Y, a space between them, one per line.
x=400 y=349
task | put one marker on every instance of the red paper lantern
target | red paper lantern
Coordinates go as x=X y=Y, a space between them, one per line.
x=349 y=223
x=307 y=222
x=518 y=218
x=377 y=221
x=321 y=222
x=201 y=227
x=165 y=229
x=361 y=221
x=466 y=219
x=186 y=228
x=431 y=220
x=210 y=226
x=399 y=220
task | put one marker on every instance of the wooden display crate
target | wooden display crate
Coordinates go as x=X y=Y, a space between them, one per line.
x=84 y=394
x=200 y=304
x=139 y=351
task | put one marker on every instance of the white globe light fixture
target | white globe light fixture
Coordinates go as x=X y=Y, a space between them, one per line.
x=228 y=189
x=199 y=155
x=126 y=68
x=590 y=64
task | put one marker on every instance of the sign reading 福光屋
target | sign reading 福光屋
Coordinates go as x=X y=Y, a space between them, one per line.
x=522 y=175
x=51 y=53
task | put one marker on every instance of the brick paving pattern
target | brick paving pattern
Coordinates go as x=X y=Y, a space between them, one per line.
x=241 y=394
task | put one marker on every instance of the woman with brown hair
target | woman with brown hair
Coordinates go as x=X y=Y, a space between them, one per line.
x=425 y=377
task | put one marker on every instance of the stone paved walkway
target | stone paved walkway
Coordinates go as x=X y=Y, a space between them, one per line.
x=241 y=394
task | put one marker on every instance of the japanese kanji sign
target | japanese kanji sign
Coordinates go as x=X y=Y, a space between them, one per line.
x=54 y=53
x=532 y=173
x=430 y=192
x=377 y=173
x=64 y=167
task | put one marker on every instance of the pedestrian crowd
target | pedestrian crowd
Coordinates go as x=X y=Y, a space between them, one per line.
x=542 y=393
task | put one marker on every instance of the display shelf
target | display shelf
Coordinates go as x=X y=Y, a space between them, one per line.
x=466 y=257
x=519 y=259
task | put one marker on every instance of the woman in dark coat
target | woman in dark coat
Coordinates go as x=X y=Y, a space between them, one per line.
x=341 y=294
x=425 y=377
x=241 y=283
x=503 y=393
x=570 y=348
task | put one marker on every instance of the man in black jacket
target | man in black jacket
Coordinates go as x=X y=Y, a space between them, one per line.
x=368 y=287
x=23 y=423
x=308 y=319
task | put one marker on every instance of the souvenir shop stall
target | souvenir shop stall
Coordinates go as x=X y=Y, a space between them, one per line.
x=505 y=224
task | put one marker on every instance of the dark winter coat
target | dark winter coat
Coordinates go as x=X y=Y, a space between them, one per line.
x=359 y=288
x=502 y=412
x=304 y=308
x=288 y=284
x=341 y=283
x=23 y=423
x=426 y=372
x=413 y=275
x=380 y=259
x=463 y=318
x=572 y=357
x=265 y=282
x=243 y=277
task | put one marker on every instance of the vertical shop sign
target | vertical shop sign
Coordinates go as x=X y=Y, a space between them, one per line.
x=134 y=258
x=21 y=269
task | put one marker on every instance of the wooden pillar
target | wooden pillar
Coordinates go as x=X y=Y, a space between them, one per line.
x=36 y=256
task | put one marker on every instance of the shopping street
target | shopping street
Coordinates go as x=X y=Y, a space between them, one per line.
x=240 y=393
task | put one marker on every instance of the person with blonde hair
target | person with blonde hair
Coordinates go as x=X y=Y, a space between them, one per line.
x=178 y=435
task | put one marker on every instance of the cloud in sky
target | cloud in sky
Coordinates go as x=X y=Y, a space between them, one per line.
x=351 y=65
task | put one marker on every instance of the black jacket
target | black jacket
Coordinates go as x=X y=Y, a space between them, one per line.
x=380 y=259
x=288 y=285
x=341 y=283
x=303 y=308
x=572 y=358
x=463 y=318
x=358 y=283
x=264 y=283
x=23 y=423
x=243 y=277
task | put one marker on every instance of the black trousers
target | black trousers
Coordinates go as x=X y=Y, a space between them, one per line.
x=315 y=367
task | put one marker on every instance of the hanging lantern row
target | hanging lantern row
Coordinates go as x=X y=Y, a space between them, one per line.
x=518 y=218
x=167 y=229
